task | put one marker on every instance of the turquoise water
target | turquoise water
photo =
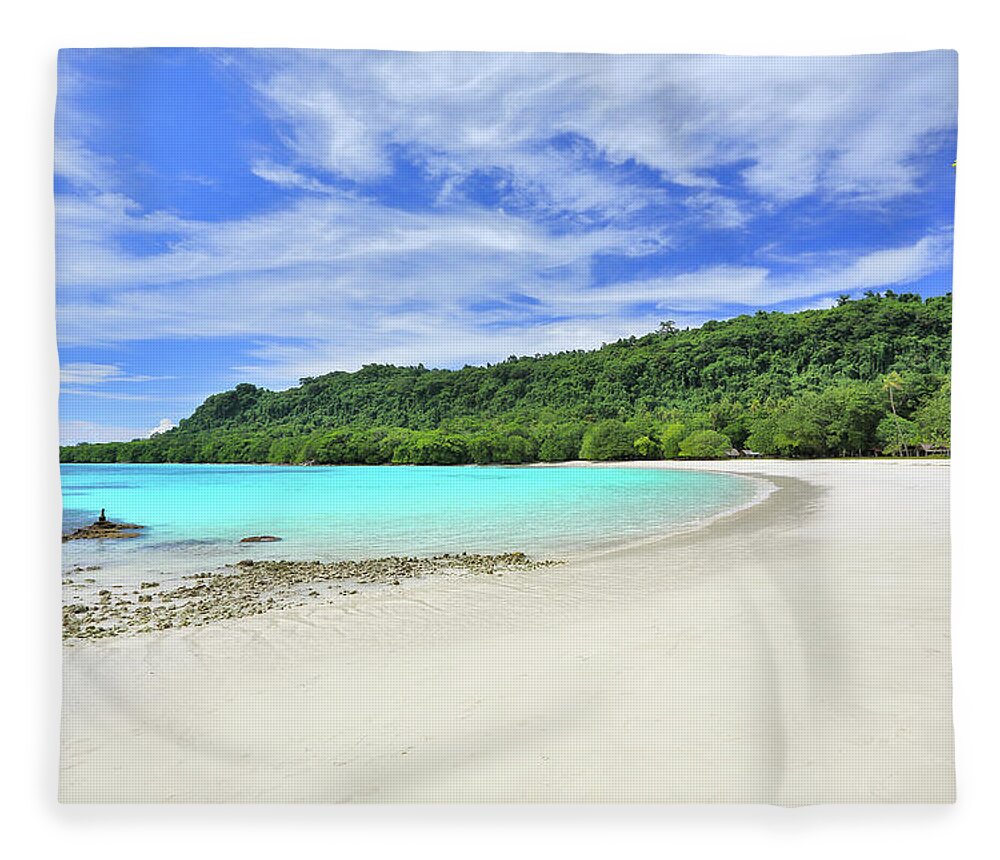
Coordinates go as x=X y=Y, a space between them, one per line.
x=195 y=515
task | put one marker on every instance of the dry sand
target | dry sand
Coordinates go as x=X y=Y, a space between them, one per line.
x=796 y=652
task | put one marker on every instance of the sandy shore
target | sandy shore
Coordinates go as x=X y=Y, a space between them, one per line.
x=796 y=652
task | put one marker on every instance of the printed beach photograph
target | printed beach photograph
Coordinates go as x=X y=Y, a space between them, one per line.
x=459 y=427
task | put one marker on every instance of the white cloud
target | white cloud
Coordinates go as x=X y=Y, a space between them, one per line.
x=335 y=231
x=757 y=287
x=164 y=425
x=73 y=431
x=717 y=210
x=327 y=268
x=834 y=125
x=279 y=174
x=895 y=266
x=109 y=395
x=88 y=373
x=82 y=167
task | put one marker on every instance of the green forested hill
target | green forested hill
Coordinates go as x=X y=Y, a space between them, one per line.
x=812 y=383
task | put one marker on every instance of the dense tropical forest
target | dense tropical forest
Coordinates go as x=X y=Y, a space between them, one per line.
x=868 y=377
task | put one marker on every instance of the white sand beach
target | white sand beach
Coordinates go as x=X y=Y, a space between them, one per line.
x=795 y=652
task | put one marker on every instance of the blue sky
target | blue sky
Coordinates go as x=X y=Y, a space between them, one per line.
x=228 y=216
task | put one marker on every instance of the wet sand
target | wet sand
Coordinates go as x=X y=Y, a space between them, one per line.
x=795 y=652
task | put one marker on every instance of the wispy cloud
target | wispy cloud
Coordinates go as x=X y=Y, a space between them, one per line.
x=835 y=125
x=750 y=287
x=109 y=395
x=89 y=373
x=83 y=168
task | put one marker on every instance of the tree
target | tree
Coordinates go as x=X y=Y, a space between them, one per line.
x=705 y=445
x=607 y=440
x=646 y=447
x=560 y=442
x=670 y=439
x=798 y=429
x=889 y=434
x=849 y=416
x=933 y=419
x=431 y=449
x=894 y=382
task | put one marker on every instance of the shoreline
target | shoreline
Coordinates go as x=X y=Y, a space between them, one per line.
x=767 y=487
x=95 y=610
x=759 y=658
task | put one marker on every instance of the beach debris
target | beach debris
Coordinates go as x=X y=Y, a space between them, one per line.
x=260 y=539
x=103 y=528
x=251 y=588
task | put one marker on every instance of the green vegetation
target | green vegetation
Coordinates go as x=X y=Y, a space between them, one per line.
x=609 y=440
x=705 y=445
x=866 y=377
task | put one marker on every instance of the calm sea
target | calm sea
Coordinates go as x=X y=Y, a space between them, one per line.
x=196 y=515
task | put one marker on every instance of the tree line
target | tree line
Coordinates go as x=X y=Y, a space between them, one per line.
x=870 y=376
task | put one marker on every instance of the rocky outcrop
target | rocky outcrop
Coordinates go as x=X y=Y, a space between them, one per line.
x=260 y=539
x=252 y=587
x=104 y=529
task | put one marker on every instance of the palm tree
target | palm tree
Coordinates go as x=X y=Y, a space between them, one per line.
x=890 y=383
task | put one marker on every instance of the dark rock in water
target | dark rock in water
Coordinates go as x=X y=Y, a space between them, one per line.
x=260 y=539
x=104 y=528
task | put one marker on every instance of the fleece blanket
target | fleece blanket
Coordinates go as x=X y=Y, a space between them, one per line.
x=470 y=427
